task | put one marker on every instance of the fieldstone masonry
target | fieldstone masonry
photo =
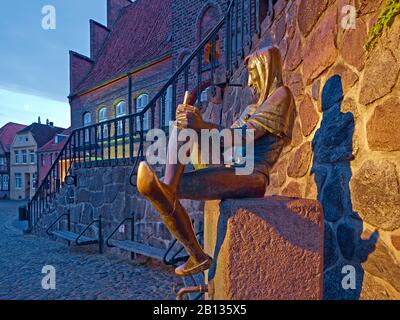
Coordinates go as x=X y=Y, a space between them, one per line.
x=107 y=192
x=345 y=141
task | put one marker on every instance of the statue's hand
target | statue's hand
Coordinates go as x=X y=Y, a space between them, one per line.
x=189 y=117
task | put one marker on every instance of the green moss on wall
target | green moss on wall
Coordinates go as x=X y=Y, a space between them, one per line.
x=385 y=19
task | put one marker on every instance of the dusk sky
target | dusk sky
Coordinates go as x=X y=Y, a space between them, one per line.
x=34 y=63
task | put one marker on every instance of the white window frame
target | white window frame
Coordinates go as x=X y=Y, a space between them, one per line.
x=16 y=155
x=120 y=111
x=103 y=118
x=87 y=121
x=24 y=154
x=18 y=177
x=6 y=182
x=141 y=102
x=32 y=156
x=2 y=161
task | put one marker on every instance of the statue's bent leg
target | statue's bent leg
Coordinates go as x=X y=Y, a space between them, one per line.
x=221 y=183
x=163 y=197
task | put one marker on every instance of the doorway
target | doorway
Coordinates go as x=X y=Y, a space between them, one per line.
x=27 y=185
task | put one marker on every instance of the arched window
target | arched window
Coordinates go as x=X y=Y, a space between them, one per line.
x=141 y=103
x=87 y=121
x=208 y=20
x=120 y=111
x=102 y=118
x=103 y=114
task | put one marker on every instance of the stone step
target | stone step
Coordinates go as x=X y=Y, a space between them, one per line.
x=271 y=248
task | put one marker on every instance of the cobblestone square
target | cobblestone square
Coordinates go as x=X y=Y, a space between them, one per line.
x=80 y=275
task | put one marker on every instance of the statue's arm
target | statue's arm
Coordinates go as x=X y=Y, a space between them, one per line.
x=191 y=118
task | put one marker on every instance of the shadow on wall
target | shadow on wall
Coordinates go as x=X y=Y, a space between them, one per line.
x=344 y=250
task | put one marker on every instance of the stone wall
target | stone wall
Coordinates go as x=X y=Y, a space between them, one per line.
x=345 y=149
x=107 y=192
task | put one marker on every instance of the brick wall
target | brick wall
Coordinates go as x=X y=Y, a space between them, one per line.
x=98 y=34
x=149 y=80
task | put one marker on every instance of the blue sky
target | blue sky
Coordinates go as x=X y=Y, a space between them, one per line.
x=34 y=63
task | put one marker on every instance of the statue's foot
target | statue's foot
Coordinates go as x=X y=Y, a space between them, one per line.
x=191 y=267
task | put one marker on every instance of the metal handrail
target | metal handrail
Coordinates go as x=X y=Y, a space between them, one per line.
x=115 y=231
x=55 y=222
x=98 y=220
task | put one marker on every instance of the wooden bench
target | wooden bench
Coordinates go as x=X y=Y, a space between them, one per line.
x=74 y=237
x=77 y=239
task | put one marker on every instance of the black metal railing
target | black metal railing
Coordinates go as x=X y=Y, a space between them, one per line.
x=122 y=141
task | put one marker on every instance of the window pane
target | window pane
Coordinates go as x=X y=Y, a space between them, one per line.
x=6 y=181
x=32 y=156
x=141 y=103
x=103 y=114
x=18 y=181
x=87 y=119
x=24 y=159
x=120 y=109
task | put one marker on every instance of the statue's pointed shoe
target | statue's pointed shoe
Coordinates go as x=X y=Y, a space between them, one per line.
x=191 y=267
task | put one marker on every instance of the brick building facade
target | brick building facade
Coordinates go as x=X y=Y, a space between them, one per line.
x=134 y=55
x=7 y=134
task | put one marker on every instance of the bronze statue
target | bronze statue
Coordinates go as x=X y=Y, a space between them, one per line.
x=271 y=118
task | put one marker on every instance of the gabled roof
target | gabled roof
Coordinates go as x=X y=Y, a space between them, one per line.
x=7 y=134
x=41 y=133
x=51 y=146
x=140 y=35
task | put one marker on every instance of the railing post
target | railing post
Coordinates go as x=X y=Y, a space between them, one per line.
x=29 y=217
x=100 y=235
x=258 y=18
x=242 y=30
x=133 y=255
x=69 y=223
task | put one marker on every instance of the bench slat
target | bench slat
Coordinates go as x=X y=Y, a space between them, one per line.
x=139 y=248
x=71 y=236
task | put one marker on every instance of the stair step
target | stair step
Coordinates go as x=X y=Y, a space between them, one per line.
x=71 y=236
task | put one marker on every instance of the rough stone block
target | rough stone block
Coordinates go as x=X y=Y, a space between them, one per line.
x=267 y=248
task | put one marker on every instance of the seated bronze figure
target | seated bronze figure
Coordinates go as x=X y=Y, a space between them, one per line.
x=271 y=118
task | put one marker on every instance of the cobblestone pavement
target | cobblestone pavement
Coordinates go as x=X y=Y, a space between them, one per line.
x=79 y=274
